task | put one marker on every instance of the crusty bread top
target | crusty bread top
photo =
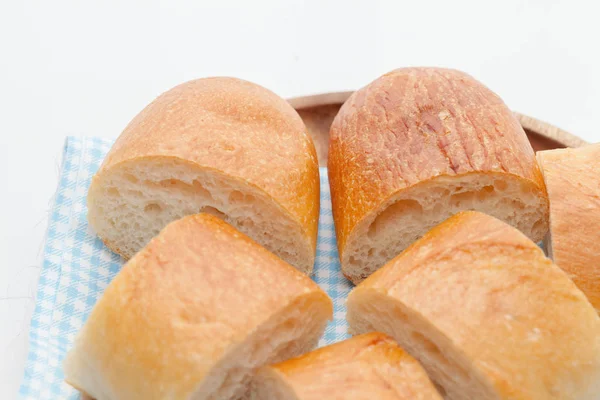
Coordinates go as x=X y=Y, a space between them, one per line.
x=572 y=179
x=236 y=127
x=180 y=304
x=371 y=364
x=495 y=296
x=414 y=124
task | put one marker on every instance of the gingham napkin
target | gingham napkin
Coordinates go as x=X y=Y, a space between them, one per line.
x=77 y=267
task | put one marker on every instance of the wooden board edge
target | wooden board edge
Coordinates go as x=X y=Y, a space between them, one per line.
x=530 y=124
x=549 y=131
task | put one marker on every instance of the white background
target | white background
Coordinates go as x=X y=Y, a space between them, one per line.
x=85 y=68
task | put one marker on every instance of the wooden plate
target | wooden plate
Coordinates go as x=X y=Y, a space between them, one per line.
x=318 y=111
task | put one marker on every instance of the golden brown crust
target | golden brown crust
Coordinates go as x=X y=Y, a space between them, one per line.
x=181 y=304
x=496 y=299
x=572 y=179
x=114 y=248
x=414 y=124
x=235 y=127
x=369 y=366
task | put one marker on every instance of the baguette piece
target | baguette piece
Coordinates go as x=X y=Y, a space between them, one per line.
x=192 y=315
x=413 y=148
x=486 y=313
x=572 y=179
x=365 y=367
x=218 y=145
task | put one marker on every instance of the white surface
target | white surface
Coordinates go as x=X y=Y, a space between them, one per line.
x=79 y=68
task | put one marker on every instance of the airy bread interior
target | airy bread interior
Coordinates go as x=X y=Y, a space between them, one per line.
x=130 y=203
x=450 y=370
x=293 y=331
x=412 y=212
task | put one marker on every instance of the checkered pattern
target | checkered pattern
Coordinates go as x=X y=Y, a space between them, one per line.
x=327 y=268
x=77 y=267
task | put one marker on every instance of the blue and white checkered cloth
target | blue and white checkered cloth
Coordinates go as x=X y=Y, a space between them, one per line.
x=77 y=267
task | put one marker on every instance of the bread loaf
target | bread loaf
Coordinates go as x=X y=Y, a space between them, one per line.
x=192 y=315
x=413 y=148
x=486 y=313
x=572 y=179
x=366 y=367
x=219 y=145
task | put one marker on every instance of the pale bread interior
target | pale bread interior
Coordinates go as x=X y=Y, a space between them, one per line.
x=130 y=203
x=451 y=371
x=411 y=213
x=83 y=373
x=291 y=332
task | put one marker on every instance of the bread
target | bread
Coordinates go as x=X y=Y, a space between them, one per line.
x=192 y=314
x=219 y=145
x=366 y=367
x=486 y=313
x=413 y=148
x=573 y=182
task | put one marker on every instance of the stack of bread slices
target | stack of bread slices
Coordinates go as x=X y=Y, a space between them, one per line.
x=212 y=195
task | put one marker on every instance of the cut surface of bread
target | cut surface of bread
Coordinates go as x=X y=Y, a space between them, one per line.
x=416 y=146
x=406 y=216
x=572 y=179
x=370 y=366
x=486 y=314
x=219 y=145
x=192 y=315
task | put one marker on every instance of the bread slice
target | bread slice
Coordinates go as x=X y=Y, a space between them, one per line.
x=486 y=313
x=413 y=148
x=366 y=367
x=192 y=315
x=221 y=146
x=572 y=179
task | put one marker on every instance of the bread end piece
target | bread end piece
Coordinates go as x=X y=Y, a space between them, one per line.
x=415 y=147
x=192 y=314
x=222 y=146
